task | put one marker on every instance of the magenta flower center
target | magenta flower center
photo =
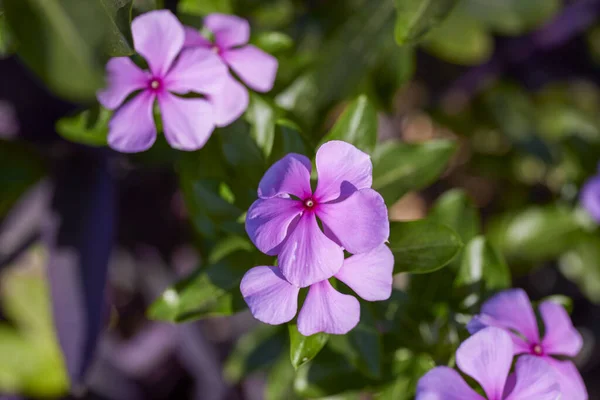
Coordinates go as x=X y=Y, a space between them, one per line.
x=155 y=84
x=537 y=350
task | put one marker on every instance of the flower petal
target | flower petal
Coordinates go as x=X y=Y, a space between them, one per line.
x=193 y=38
x=187 y=123
x=590 y=197
x=535 y=380
x=327 y=310
x=197 y=70
x=486 y=357
x=290 y=175
x=158 y=36
x=360 y=222
x=561 y=337
x=229 y=102
x=369 y=274
x=271 y=298
x=255 y=67
x=307 y=256
x=132 y=128
x=569 y=379
x=229 y=30
x=123 y=78
x=268 y=222
x=480 y=322
x=342 y=169
x=443 y=383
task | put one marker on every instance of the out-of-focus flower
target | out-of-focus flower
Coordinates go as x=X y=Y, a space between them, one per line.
x=187 y=122
x=274 y=300
x=512 y=311
x=487 y=357
x=283 y=221
x=9 y=124
x=590 y=197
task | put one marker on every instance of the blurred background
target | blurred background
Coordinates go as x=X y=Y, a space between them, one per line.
x=90 y=238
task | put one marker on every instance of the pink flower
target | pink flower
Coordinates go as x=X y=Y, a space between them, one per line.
x=273 y=300
x=187 y=122
x=283 y=221
x=487 y=357
x=512 y=311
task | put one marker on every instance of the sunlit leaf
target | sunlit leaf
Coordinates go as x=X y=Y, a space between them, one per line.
x=416 y=17
x=89 y=127
x=304 y=348
x=484 y=266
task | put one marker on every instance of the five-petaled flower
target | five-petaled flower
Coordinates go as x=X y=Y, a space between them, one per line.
x=512 y=311
x=283 y=221
x=487 y=357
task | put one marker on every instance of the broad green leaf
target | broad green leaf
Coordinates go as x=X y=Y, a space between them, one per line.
x=399 y=167
x=288 y=139
x=204 y=7
x=89 y=127
x=357 y=125
x=484 y=266
x=120 y=40
x=273 y=42
x=261 y=115
x=422 y=246
x=513 y=17
x=456 y=210
x=304 y=348
x=414 y=18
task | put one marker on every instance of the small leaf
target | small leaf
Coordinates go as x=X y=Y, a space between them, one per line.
x=119 y=39
x=357 y=125
x=483 y=265
x=204 y=7
x=304 y=348
x=89 y=127
x=456 y=210
x=261 y=116
x=415 y=18
x=273 y=42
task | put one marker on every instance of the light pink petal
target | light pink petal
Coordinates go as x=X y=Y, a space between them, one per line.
x=290 y=175
x=229 y=30
x=443 y=383
x=197 y=70
x=360 y=222
x=327 y=310
x=369 y=274
x=158 y=36
x=569 y=379
x=187 y=123
x=486 y=357
x=561 y=337
x=132 y=128
x=229 y=102
x=123 y=77
x=270 y=297
x=307 y=256
x=268 y=222
x=255 y=67
x=535 y=380
x=480 y=322
x=342 y=169
x=193 y=38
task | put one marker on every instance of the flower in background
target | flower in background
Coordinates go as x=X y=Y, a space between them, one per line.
x=590 y=197
x=283 y=221
x=512 y=311
x=487 y=357
x=187 y=122
x=273 y=300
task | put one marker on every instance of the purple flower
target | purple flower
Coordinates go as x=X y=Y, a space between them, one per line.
x=283 y=221
x=512 y=311
x=273 y=300
x=187 y=122
x=590 y=197
x=487 y=357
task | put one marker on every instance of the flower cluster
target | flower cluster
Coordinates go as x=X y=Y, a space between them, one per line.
x=182 y=62
x=284 y=221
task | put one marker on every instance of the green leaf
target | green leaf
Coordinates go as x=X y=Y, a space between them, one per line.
x=581 y=265
x=120 y=40
x=204 y=7
x=280 y=381
x=366 y=344
x=513 y=17
x=273 y=42
x=357 y=125
x=261 y=115
x=422 y=246
x=484 y=266
x=89 y=127
x=288 y=139
x=304 y=348
x=6 y=38
x=399 y=167
x=456 y=210
x=408 y=368
x=414 y=18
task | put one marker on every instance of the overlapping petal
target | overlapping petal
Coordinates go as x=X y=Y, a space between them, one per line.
x=255 y=67
x=229 y=102
x=290 y=175
x=193 y=38
x=229 y=30
x=569 y=379
x=369 y=274
x=197 y=70
x=443 y=383
x=268 y=222
x=124 y=77
x=535 y=380
x=561 y=337
x=132 y=128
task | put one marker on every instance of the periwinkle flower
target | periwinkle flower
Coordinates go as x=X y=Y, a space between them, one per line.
x=487 y=358
x=274 y=300
x=283 y=221
x=590 y=197
x=512 y=311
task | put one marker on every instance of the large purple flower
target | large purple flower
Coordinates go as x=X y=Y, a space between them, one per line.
x=274 y=300
x=487 y=357
x=512 y=311
x=187 y=122
x=283 y=221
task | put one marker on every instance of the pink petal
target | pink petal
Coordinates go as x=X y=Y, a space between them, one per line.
x=229 y=30
x=486 y=357
x=290 y=175
x=342 y=169
x=480 y=322
x=307 y=256
x=197 y=70
x=158 y=36
x=255 y=67
x=193 y=38
x=569 y=379
x=271 y=298
x=327 y=310
x=443 y=383
x=268 y=222
x=123 y=78
x=369 y=274
x=230 y=102
x=535 y=380
x=187 y=123
x=561 y=337
x=360 y=222
x=132 y=128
